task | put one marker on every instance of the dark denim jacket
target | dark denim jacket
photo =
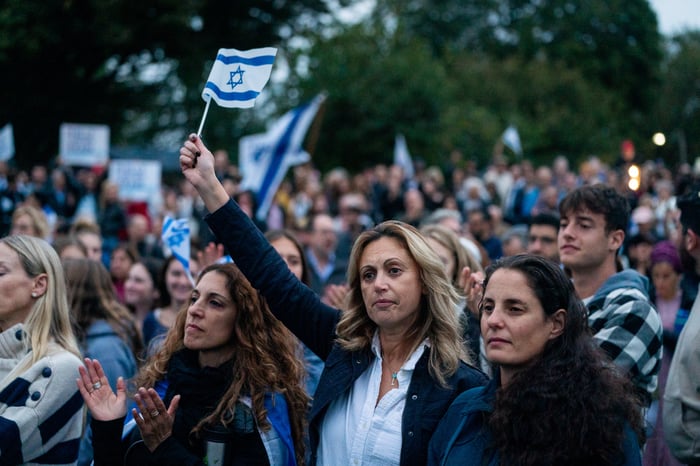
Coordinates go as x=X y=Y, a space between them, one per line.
x=462 y=437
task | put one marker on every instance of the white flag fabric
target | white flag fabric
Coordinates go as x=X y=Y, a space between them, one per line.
x=402 y=157
x=511 y=139
x=7 y=142
x=237 y=77
x=176 y=235
x=264 y=158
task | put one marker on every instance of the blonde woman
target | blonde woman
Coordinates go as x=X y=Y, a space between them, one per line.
x=41 y=410
x=459 y=264
x=30 y=220
x=394 y=358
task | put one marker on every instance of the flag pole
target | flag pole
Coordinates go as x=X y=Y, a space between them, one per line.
x=204 y=117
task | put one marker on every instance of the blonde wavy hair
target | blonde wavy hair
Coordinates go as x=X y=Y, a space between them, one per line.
x=461 y=255
x=49 y=322
x=437 y=320
x=264 y=360
x=40 y=223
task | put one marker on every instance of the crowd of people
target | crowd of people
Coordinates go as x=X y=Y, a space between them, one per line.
x=507 y=314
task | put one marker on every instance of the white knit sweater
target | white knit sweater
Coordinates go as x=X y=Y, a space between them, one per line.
x=41 y=410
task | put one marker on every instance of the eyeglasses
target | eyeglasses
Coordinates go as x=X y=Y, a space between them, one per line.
x=542 y=239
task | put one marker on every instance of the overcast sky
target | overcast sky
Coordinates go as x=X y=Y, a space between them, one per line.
x=677 y=15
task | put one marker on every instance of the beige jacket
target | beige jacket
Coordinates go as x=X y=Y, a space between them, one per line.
x=681 y=413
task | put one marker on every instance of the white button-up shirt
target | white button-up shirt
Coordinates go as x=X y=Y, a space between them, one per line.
x=357 y=430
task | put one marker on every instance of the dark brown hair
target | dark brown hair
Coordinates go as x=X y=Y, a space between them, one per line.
x=572 y=405
x=91 y=297
x=264 y=359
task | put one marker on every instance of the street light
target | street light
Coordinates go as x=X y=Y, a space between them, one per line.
x=635 y=177
x=659 y=139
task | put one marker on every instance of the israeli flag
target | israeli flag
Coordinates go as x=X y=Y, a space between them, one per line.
x=402 y=157
x=237 y=77
x=511 y=139
x=176 y=235
x=7 y=142
x=264 y=158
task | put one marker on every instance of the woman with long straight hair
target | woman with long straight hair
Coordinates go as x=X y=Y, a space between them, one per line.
x=41 y=412
x=105 y=328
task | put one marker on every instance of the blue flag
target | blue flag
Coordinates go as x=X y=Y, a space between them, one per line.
x=7 y=142
x=237 y=77
x=176 y=235
x=264 y=158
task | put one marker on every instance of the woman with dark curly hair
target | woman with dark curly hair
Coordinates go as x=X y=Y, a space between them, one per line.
x=555 y=398
x=226 y=371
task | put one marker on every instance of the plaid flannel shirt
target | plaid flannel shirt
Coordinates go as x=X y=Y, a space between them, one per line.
x=626 y=325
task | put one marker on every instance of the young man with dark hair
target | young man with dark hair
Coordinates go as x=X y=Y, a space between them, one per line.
x=623 y=320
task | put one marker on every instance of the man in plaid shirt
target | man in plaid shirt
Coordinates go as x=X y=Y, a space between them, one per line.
x=620 y=314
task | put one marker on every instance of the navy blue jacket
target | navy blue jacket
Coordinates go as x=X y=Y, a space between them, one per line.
x=313 y=322
x=463 y=438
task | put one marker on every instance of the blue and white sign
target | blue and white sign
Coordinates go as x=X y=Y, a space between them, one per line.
x=84 y=145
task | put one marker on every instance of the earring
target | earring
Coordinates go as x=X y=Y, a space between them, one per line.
x=34 y=295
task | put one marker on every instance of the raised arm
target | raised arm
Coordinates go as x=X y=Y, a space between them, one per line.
x=197 y=164
x=297 y=306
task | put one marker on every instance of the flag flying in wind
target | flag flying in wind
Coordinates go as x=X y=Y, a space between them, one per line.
x=237 y=77
x=402 y=157
x=511 y=139
x=176 y=235
x=264 y=158
x=7 y=142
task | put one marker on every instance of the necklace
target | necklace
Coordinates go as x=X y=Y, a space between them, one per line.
x=394 y=374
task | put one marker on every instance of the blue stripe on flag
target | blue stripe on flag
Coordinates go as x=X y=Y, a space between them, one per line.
x=255 y=61
x=278 y=154
x=248 y=95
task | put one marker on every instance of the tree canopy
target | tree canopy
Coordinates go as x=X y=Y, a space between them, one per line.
x=135 y=66
x=574 y=76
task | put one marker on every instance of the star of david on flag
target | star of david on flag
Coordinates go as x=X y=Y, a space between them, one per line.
x=176 y=235
x=238 y=77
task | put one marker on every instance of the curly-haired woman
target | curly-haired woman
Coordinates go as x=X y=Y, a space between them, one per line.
x=227 y=369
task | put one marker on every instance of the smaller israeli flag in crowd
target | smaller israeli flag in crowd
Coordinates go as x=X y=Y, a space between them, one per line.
x=176 y=235
x=402 y=157
x=7 y=142
x=511 y=139
x=237 y=77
